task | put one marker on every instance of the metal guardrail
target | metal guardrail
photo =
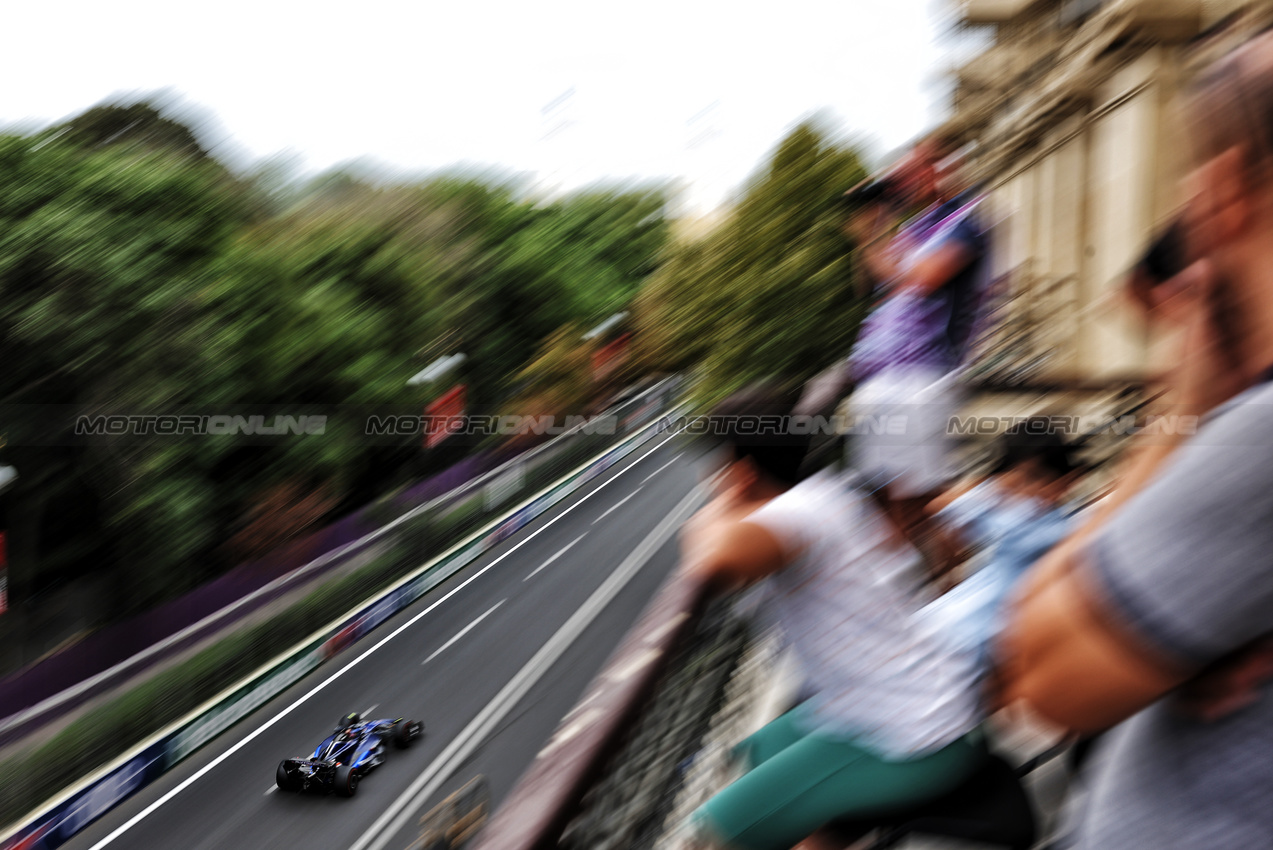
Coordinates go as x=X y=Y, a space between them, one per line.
x=610 y=775
x=629 y=807
x=506 y=483
x=59 y=819
x=639 y=754
x=648 y=742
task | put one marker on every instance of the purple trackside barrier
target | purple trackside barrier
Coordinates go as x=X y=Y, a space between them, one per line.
x=117 y=643
x=77 y=665
x=456 y=476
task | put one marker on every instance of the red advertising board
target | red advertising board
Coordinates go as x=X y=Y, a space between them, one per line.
x=444 y=416
x=609 y=356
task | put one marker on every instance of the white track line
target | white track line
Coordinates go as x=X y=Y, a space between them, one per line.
x=251 y=736
x=75 y=690
x=617 y=505
x=555 y=557
x=674 y=459
x=462 y=632
x=403 y=809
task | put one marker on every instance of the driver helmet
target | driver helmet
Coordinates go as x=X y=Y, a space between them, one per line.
x=351 y=719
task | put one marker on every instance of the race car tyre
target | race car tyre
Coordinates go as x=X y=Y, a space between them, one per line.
x=406 y=731
x=346 y=781
x=286 y=782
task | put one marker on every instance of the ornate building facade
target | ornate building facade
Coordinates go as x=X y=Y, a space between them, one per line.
x=1070 y=116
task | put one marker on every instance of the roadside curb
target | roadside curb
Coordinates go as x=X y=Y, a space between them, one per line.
x=65 y=816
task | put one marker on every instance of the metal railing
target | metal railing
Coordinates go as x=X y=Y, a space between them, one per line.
x=632 y=806
x=409 y=544
x=650 y=739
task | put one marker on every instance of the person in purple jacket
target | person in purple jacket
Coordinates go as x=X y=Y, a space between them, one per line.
x=929 y=277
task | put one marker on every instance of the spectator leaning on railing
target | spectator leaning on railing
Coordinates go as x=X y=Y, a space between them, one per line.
x=893 y=711
x=1154 y=618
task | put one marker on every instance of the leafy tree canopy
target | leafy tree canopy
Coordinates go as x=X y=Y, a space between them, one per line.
x=140 y=123
x=768 y=292
x=137 y=276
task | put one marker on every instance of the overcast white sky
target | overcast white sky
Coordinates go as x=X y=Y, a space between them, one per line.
x=566 y=92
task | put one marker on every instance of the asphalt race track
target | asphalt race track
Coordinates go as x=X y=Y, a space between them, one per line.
x=490 y=661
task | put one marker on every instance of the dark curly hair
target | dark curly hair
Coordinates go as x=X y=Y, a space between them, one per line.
x=756 y=423
x=1035 y=440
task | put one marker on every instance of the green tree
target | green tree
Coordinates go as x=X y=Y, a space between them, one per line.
x=142 y=124
x=770 y=290
x=558 y=381
x=103 y=256
x=138 y=276
x=532 y=269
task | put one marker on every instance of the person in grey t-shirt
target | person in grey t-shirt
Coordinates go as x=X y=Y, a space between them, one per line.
x=1153 y=620
x=1187 y=567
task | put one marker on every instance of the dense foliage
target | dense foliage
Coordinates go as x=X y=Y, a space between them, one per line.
x=770 y=292
x=44 y=764
x=139 y=276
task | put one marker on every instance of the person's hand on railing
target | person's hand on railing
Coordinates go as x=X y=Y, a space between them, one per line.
x=723 y=551
x=708 y=531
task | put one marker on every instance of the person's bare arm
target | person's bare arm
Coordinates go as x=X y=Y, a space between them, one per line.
x=935 y=270
x=948 y=496
x=1062 y=653
x=730 y=554
x=1064 y=656
x=1065 y=652
x=1067 y=656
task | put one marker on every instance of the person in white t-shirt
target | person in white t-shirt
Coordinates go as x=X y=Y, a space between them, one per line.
x=893 y=718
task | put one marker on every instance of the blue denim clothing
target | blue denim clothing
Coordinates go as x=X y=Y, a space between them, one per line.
x=1015 y=533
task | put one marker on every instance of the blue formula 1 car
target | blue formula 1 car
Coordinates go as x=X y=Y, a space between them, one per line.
x=348 y=754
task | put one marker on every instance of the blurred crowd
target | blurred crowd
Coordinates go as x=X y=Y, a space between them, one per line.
x=922 y=604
